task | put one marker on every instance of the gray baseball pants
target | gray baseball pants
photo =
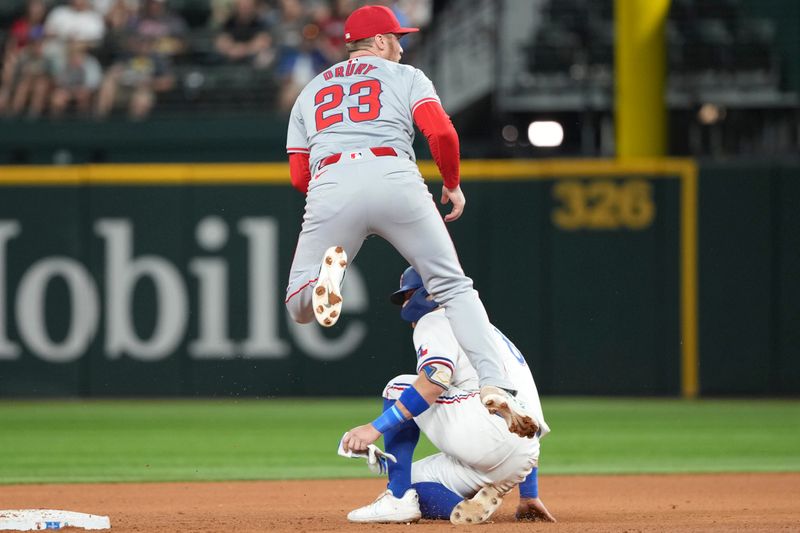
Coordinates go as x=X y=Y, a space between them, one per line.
x=387 y=196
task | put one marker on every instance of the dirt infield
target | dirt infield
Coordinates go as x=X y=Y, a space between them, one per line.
x=724 y=502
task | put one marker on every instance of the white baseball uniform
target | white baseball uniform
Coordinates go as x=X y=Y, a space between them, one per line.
x=476 y=447
x=362 y=110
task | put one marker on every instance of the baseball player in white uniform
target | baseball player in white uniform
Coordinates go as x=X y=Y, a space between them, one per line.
x=479 y=461
x=350 y=151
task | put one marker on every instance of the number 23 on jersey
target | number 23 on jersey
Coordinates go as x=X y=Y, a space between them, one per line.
x=329 y=99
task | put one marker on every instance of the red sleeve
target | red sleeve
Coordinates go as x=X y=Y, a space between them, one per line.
x=298 y=169
x=434 y=123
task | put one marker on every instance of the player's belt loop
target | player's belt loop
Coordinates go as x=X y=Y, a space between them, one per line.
x=331 y=159
x=383 y=150
x=379 y=151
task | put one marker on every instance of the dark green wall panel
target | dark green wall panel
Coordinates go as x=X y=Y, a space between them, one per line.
x=605 y=287
x=786 y=310
x=52 y=223
x=594 y=309
x=735 y=279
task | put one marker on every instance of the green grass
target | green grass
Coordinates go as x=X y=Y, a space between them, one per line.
x=85 y=441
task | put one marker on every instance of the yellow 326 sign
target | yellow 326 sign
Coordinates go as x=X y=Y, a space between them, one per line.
x=603 y=205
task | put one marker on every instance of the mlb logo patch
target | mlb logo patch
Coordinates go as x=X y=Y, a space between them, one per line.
x=423 y=351
x=356 y=155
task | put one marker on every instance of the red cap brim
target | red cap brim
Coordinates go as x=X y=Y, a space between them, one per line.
x=403 y=31
x=357 y=36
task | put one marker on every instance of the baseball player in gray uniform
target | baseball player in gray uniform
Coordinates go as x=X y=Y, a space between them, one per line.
x=479 y=462
x=350 y=150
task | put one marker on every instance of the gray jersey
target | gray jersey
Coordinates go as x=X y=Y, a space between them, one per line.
x=359 y=103
x=369 y=102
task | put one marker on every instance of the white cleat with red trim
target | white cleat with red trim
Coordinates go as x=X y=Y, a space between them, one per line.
x=327 y=295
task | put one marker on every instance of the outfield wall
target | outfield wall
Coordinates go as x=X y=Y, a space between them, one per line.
x=168 y=280
x=749 y=288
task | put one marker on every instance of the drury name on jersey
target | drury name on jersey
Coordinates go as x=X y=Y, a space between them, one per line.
x=352 y=69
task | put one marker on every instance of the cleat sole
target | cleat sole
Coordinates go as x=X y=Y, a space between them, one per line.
x=479 y=508
x=327 y=298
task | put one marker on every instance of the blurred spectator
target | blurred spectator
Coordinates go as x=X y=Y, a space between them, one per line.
x=221 y=11
x=22 y=30
x=418 y=12
x=244 y=37
x=123 y=15
x=287 y=27
x=103 y=6
x=76 y=21
x=30 y=82
x=31 y=22
x=166 y=29
x=121 y=22
x=331 y=24
x=135 y=81
x=298 y=66
x=76 y=82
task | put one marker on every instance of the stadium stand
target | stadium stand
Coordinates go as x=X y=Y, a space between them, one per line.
x=710 y=42
x=510 y=58
x=732 y=76
x=207 y=80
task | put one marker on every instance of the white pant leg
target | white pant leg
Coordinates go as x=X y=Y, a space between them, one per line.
x=477 y=448
x=465 y=480
x=333 y=217
x=448 y=471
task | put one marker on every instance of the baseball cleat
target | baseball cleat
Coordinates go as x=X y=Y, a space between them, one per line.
x=389 y=509
x=479 y=508
x=327 y=296
x=517 y=417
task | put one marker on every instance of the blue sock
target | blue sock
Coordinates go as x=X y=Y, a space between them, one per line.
x=436 y=501
x=400 y=441
x=530 y=487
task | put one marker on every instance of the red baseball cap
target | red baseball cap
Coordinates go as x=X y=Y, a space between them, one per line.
x=369 y=21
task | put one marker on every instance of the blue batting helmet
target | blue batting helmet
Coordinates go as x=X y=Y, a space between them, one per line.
x=420 y=304
x=410 y=280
